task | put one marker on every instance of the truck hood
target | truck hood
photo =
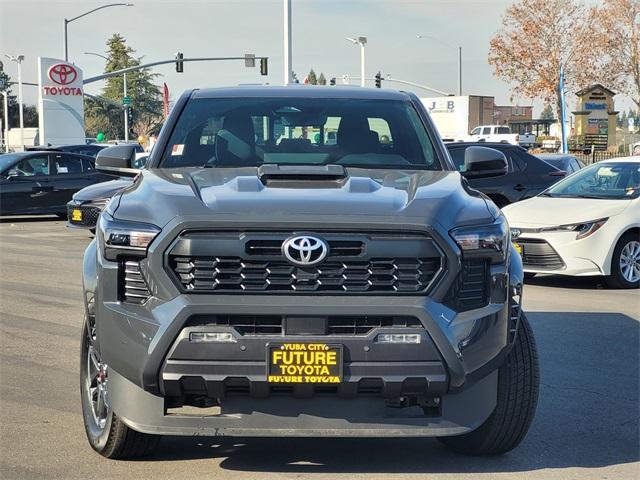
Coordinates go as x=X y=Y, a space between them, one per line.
x=550 y=211
x=102 y=190
x=390 y=196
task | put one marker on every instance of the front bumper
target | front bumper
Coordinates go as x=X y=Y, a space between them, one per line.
x=560 y=253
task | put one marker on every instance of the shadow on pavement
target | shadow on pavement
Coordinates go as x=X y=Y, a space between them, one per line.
x=31 y=218
x=587 y=416
x=562 y=281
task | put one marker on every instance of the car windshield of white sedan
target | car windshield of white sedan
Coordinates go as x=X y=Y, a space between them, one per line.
x=619 y=180
x=237 y=132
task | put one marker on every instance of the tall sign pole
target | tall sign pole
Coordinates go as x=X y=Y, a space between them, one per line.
x=563 y=123
x=287 y=42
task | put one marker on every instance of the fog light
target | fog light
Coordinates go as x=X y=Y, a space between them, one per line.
x=398 y=338
x=216 y=337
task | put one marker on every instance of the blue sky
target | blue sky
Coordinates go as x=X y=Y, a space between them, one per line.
x=157 y=29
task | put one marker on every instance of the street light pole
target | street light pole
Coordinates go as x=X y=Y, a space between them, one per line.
x=459 y=48
x=126 y=109
x=362 y=41
x=18 y=59
x=67 y=21
x=6 y=120
x=287 y=42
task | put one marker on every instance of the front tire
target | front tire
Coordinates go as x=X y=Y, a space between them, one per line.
x=107 y=434
x=518 y=384
x=625 y=263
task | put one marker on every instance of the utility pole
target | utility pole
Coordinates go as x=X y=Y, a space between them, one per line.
x=287 y=42
x=362 y=41
x=126 y=108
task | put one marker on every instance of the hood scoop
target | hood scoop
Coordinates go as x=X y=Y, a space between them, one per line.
x=302 y=176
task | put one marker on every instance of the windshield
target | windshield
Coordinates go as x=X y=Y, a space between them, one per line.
x=7 y=160
x=236 y=132
x=609 y=180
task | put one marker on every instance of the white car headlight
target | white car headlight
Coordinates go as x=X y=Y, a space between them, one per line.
x=584 y=229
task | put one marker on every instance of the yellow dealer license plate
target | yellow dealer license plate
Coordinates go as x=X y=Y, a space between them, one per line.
x=76 y=215
x=304 y=363
x=518 y=247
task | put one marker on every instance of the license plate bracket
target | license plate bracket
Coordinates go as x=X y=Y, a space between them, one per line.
x=304 y=362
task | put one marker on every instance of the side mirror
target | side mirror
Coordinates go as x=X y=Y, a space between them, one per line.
x=483 y=162
x=119 y=159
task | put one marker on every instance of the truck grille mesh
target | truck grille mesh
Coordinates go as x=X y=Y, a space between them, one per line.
x=224 y=274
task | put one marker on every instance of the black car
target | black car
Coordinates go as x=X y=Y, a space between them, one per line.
x=256 y=280
x=527 y=175
x=90 y=150
x=42 y=182
x=567 y=163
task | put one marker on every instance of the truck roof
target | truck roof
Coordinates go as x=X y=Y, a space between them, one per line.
x=301 y=91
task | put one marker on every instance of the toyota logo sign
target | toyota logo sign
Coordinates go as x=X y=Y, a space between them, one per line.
x=305 y=251
x=62 y=74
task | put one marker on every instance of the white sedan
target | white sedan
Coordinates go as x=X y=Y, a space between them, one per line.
x=586 y=224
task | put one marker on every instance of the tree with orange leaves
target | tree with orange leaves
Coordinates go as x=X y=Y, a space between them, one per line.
x=617 y=42
x=536 y=38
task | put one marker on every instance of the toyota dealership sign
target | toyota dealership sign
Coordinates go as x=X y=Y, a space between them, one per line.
x=60 y=101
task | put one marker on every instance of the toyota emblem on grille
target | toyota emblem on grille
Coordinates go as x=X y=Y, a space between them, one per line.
x=305 y=250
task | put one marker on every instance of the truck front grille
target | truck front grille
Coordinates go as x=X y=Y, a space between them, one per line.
x=264 y=325
x=379 y=275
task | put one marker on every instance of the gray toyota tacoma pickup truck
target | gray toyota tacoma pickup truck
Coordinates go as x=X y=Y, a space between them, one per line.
x=304 y=261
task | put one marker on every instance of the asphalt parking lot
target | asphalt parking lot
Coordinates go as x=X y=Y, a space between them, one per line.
x=587 y=424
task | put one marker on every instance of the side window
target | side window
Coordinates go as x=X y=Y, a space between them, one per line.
x=31 y=167
x=457 y=155
x=519 y=163
x=504 y=130
x=475 y=131
x=486 y=131
x=66 y=164
x=88 y=165
x=381 y=127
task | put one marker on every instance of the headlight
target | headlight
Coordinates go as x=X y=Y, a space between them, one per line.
x=584 y=229
x=128 y=238
x=484 y=241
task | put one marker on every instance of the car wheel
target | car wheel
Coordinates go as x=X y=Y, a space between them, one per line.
x=518 y=384
x=625 y=264
x=106 y=433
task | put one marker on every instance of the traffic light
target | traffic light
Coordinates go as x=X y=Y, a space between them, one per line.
x=179 y=64
x=332 y=82
x=264 y=66
x=378 y=80
x=130 y=115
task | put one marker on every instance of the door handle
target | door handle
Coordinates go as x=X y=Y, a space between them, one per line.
x=519 y=187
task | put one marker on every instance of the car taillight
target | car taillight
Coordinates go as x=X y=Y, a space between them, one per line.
x=517 y=138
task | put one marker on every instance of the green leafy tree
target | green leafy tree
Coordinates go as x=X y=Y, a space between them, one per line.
x=145 y=96
x=321 y=79
x=547 y=112
x=313 y=80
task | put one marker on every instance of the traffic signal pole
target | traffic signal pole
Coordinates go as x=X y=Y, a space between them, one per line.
x=161 y=62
